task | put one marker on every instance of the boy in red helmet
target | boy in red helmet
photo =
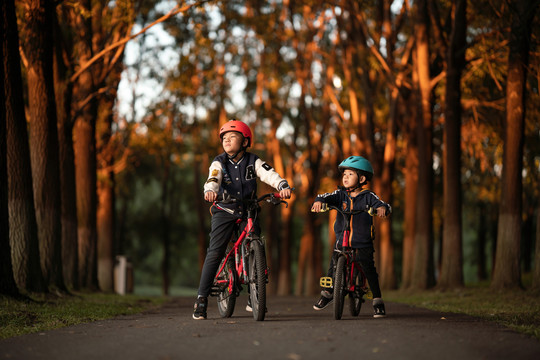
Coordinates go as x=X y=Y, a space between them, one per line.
x=356 y=172
x=233 y=172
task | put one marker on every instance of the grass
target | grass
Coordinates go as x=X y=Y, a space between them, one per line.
x=518 y=309
x=41 y=313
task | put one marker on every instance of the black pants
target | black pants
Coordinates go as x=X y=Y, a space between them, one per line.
x=365 y=257
x=223 y=226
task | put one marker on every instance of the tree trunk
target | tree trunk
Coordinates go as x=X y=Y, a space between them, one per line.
x=507 y=272
x=44 y=138
x=22 y=222
x=202 y=231
x=536 y=270
x=85 y=155
x=452 y=254
x=105 y=187
x=284 y=281
x=7 y=281
x=423 y=276
x=409 y=211
x=165 y=224
x=105 y=231
x=481 y=243
x=63 y=92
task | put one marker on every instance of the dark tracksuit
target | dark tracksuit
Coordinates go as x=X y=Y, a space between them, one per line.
x=238 y=179
x=362 y=230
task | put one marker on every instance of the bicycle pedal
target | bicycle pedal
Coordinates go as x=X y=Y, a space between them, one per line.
x=326 y=282
x=215 y=291
x=369 y=294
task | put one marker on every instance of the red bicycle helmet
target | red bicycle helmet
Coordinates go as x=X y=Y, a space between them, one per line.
x=238 y=126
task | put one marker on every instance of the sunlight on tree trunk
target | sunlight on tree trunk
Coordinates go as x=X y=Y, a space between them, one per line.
x=411 y=182
x=423 y=263
x=507 y=273
x=44 y=138
x=23 y=234
x=105 y=230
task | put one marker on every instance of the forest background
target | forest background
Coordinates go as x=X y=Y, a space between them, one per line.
x=440 y=96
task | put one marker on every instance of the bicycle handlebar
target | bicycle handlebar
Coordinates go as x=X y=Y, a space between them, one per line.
x=273 y=198
x=325 y=207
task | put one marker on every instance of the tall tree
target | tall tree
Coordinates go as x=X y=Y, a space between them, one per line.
x=38 y=47
x=23 y=234
x=411 y=188
x=423 y=275
x=507 y=273
x=452 y=253
x=84 y=136
x=63 y=89
x=7 y=281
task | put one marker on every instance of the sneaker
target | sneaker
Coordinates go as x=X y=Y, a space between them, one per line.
x=379 y=311
x=248 y=306
x=326 y=298
x=199 y=309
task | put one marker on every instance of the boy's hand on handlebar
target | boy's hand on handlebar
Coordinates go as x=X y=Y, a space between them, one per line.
x=285 y=193
x=317 y=206
x=210 y=196
x=381 y=212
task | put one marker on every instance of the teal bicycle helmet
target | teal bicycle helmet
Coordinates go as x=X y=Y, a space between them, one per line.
x=358 y=164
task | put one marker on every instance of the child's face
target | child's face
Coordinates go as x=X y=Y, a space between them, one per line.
x=232 y=142
x=350 y=178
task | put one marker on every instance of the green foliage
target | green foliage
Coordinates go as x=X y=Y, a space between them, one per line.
x=41 y=313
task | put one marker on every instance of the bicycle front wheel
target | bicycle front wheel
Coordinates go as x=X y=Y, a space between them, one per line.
x=257 y=279
x=356 y=297
x=226 y=283
x=339 y=287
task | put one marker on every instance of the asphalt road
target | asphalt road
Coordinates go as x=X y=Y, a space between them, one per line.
x=292 y=330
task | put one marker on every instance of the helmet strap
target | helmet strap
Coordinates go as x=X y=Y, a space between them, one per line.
x=232 y=157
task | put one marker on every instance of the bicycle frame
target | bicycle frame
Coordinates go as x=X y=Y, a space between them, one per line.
x=351 y=262
x=349 y=269
x=239 y=254
x=250 y=268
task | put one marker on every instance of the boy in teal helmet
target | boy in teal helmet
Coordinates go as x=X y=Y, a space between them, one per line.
x=353 y=195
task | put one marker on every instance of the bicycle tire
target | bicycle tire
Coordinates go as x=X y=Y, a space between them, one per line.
x=226 y=299
x=339 y=287
x=257 y=279
x=356 y=298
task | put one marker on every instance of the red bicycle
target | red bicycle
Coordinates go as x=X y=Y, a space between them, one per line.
x=348 y=279
x=244 y=263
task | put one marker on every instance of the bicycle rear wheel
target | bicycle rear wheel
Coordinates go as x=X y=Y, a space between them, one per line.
x=257 y=279
x=356 y=298
x=339 y=287
x=227 y=288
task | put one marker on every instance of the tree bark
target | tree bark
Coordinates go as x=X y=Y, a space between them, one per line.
x=7 y=281
x=63 y=89
x=507 y=272
x=105 y=231
x=22 y=221
x=44 y=138
x=423 y=274
x=85 y=156
x=411 y=186
x=451 y=275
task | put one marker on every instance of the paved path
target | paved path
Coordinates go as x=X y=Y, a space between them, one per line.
x=291 y=330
